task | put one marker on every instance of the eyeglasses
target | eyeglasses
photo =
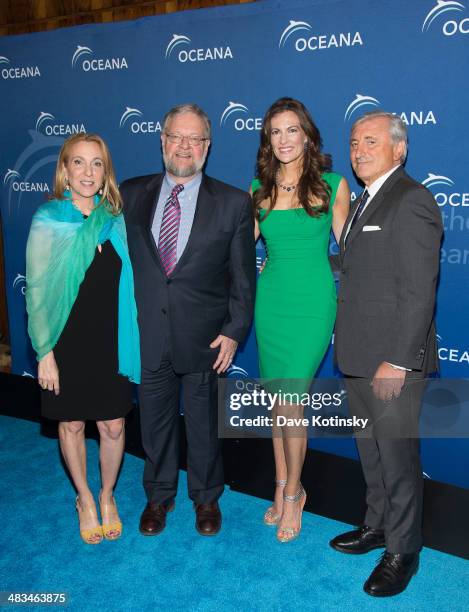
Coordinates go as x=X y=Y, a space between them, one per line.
x=194 y=141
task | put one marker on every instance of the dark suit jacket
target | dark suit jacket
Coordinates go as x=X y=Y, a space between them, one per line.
x=211 y=291
x=388 y=281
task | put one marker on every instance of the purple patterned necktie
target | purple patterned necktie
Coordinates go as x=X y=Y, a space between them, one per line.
x=167 y=243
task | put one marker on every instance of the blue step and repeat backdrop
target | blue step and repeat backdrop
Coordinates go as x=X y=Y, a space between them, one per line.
x=340 y=57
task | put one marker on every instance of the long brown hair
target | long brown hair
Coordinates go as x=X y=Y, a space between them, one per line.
x=310 y=185
x=110 y=189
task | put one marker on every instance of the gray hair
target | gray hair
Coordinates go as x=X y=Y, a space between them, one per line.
x=397 y=128
x=181 y=109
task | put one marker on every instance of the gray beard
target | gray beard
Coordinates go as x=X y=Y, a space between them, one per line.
x=183 y=172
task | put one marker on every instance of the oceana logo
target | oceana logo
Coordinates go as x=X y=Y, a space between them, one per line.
x=47 y=125
x=180 y=46
x=450 y=200
x=367 y=103
x=14 y=182
x=304 y=40
x=132 y=119
x=17 y=72
x=449 y=27
x=83 y=58
x=453 y=354
x=20 y=283
x=445 y=197
x=236 y=372
x=358 y=103
x=241 y=122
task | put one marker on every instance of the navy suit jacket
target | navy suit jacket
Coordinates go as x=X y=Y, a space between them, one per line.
x=212 y=288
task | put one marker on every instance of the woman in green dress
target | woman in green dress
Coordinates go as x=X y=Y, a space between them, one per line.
x=297 y=201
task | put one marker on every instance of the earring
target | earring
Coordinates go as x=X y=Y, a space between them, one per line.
x=101 y=190
x=67 y=185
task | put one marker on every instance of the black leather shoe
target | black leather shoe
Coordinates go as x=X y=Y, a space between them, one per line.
x=153 y=519
x=207 y=519
x=392 y=574
x=359 y=541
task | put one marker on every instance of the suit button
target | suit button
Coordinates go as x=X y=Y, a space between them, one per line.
x=163 y=310
x=168 y=281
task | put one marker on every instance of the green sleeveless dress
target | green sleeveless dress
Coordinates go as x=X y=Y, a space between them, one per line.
x=296 y=297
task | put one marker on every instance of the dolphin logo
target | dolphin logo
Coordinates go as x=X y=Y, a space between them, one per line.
x=79 y=52
x=293 y=26
x=436 y=179
x=442 y=6
x=27 y=374
x=129 y=112
x=43 y=117
x=177 y=39
x=45 y=146
x=236 y=372
x=358 y=102
x=20 y=281
x=4 y=60
x=10 y=175
x=233 y=107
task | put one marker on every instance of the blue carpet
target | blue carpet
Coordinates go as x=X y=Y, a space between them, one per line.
x=243 y=568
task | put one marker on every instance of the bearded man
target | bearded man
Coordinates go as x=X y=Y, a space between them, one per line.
x=191 y=242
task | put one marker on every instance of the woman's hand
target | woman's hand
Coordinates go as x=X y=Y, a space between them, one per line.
x=48 y=373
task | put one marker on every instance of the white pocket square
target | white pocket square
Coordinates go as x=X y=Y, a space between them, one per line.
x=371 y=228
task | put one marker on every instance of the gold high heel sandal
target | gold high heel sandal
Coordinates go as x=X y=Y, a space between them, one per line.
x=288 y=534
x=111 y=530
x=89 y=535
x=271 y=518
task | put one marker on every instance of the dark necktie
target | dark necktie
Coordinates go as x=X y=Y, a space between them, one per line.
x=362 y=200
x=169 y=230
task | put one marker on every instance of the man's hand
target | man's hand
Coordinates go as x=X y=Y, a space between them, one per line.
x=388 y=382
x=48 y=373
x=225 y=356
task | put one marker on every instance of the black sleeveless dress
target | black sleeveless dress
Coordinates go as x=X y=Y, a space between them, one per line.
x=87 y=350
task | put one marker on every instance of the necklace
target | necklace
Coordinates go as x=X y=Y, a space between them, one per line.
x=284 y=187
x=86 y=213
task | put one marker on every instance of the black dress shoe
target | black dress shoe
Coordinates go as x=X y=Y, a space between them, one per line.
x=359 y=541
x=392 y=574
x=153 y=519
x=207 y=518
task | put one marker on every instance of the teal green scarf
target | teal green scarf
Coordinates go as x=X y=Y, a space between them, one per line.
x=60 y=249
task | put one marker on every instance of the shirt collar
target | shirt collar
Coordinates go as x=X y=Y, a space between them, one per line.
x=195 y=182
x=379 y=182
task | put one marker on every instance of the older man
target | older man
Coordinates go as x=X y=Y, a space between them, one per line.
x=385 y=341
x=192 y=248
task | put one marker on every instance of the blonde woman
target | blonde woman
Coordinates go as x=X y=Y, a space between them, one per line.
x=82 y=320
